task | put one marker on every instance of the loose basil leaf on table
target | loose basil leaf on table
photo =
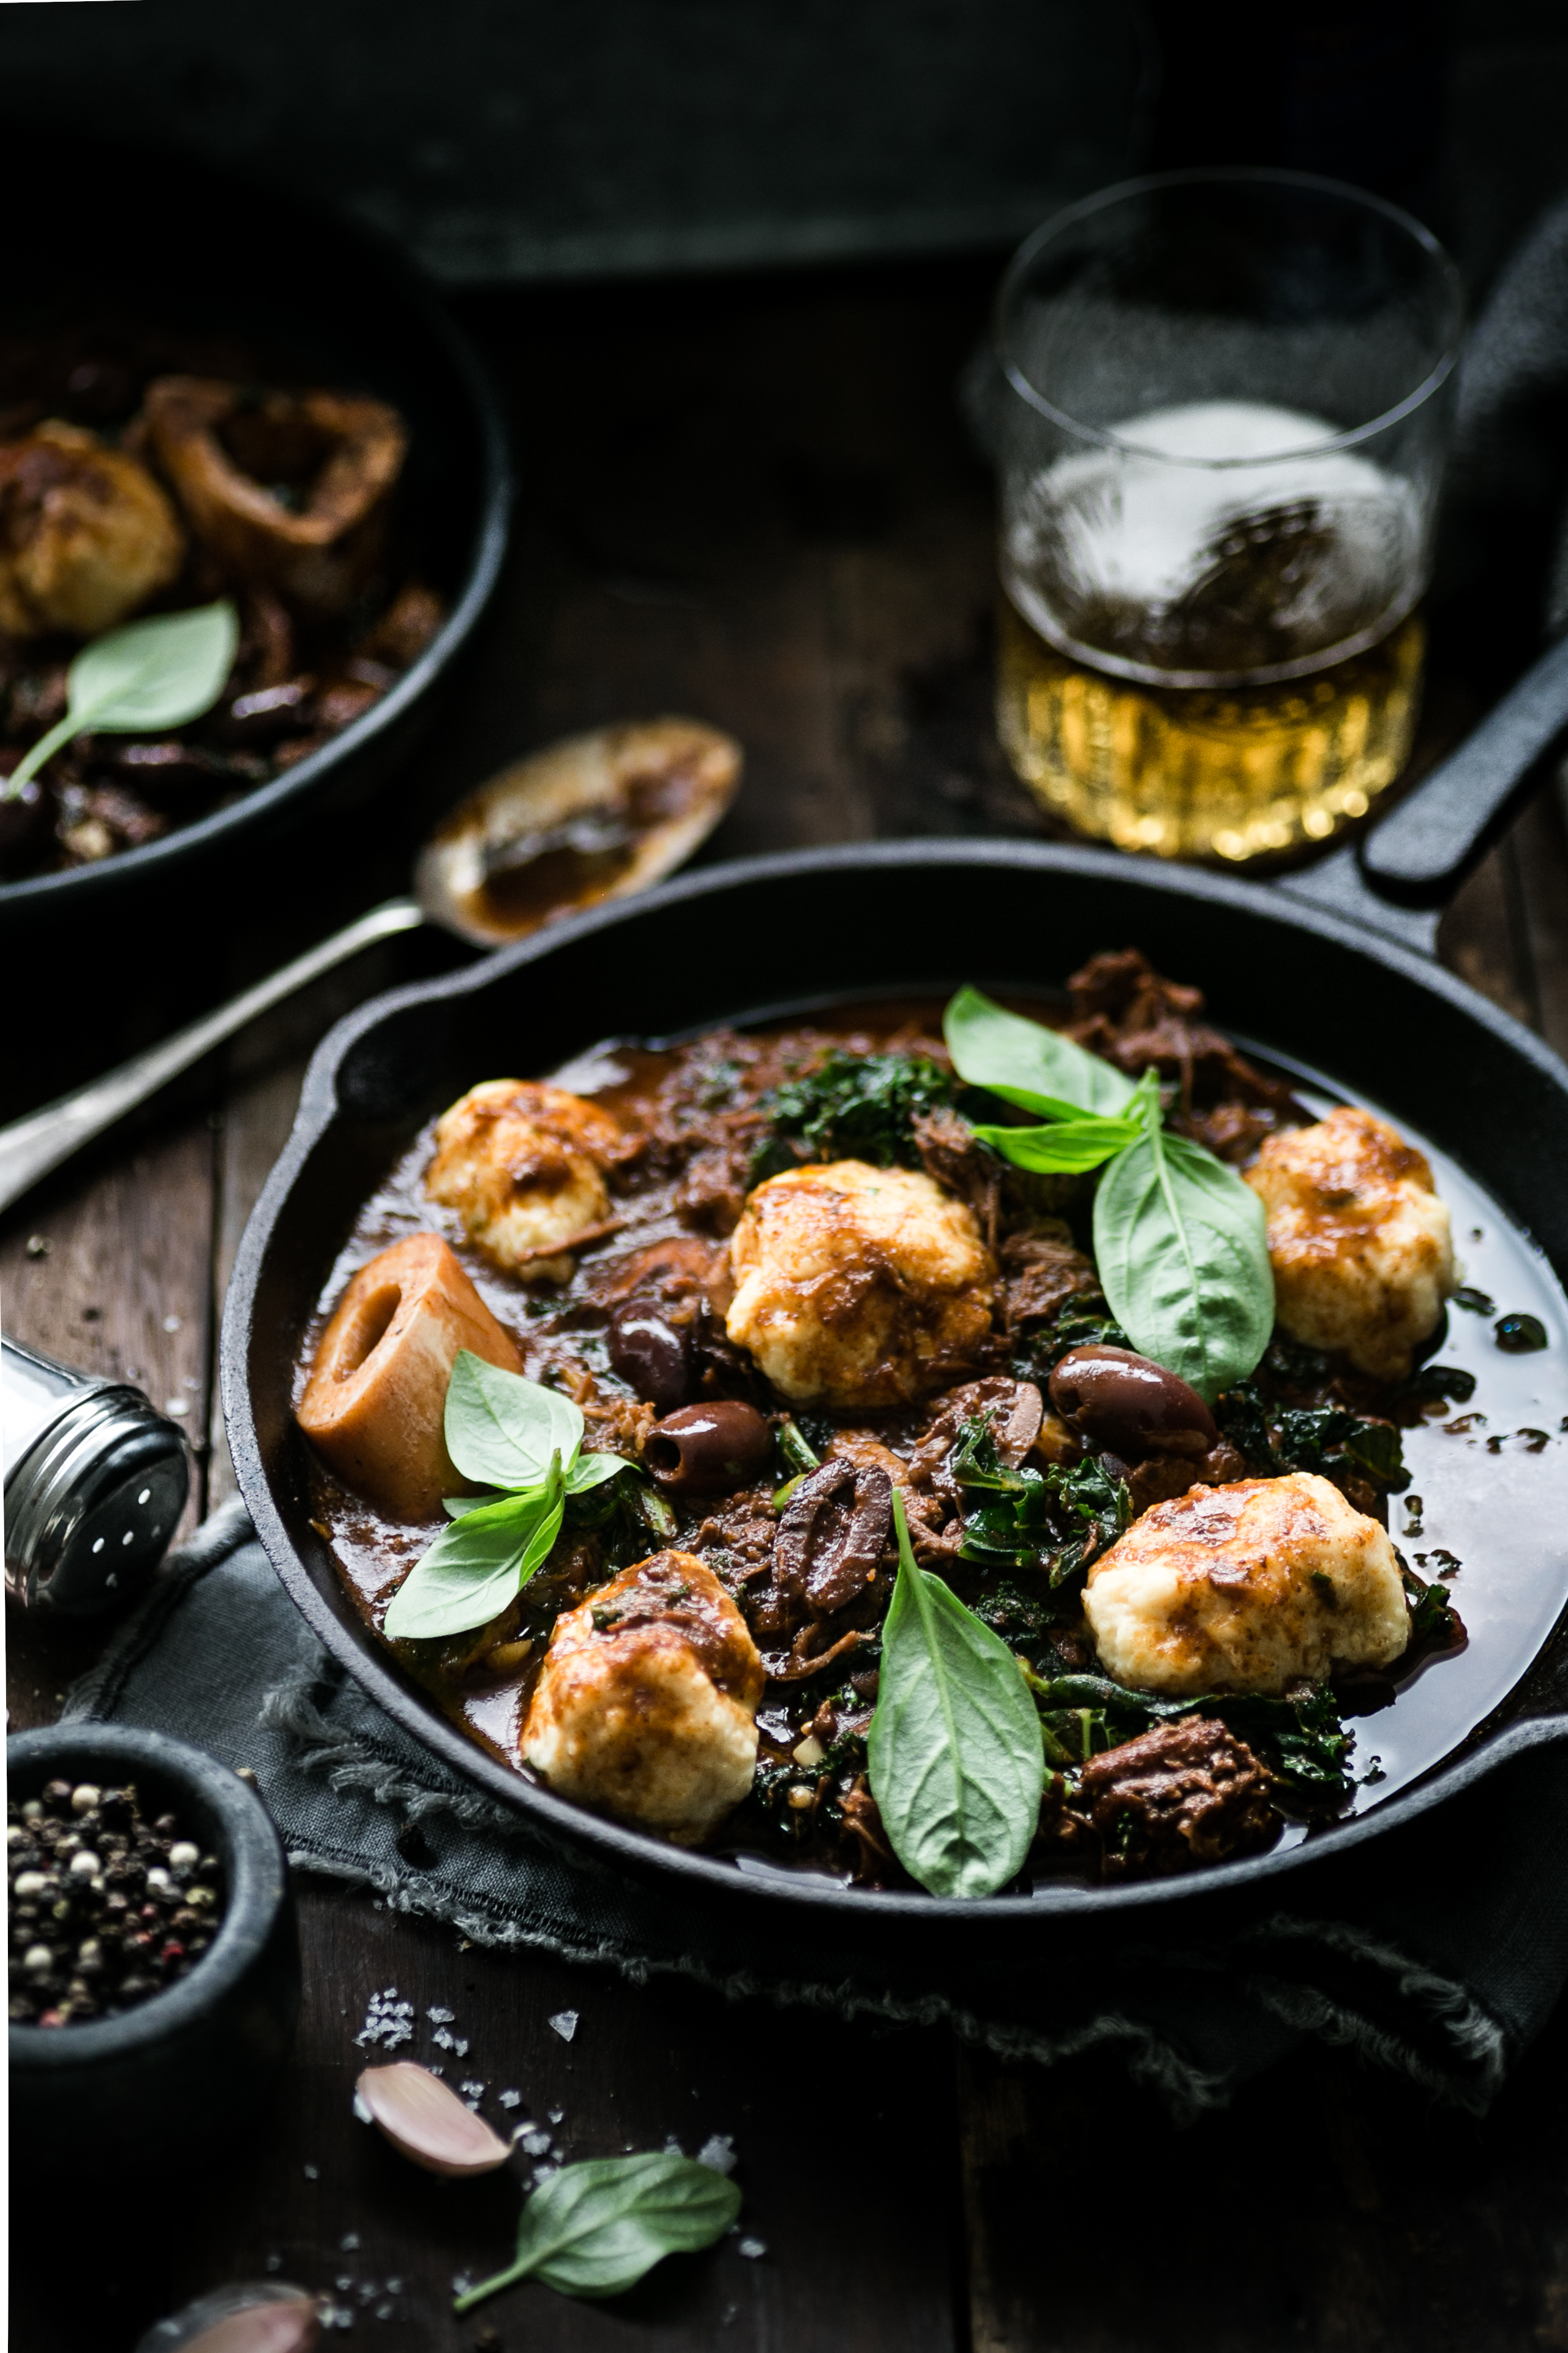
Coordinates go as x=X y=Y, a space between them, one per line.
x=156 y=673
x=502 y=1430
x=1027 y=1064
x=1182 y=1247
x=595 y=2229
x=956 y=1760
x=479 y=1564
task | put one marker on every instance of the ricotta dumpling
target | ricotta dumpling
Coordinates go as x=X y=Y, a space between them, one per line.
x=1360 y=1244
x=523 y=1165
x=1247 y=1589
x=645 y=1705
x=858 y=1286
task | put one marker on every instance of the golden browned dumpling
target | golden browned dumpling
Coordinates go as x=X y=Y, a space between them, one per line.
x=86 y=535
x=858 y=1286
x=1247 y=1588
x=523 y=1165
x=1360 y=1243
x=647 y=1701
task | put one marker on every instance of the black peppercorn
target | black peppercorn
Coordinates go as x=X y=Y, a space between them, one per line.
x=105 y=1908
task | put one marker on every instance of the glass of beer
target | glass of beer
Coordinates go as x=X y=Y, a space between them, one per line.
x=1225 y=418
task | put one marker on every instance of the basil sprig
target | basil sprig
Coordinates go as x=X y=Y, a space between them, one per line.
x=954 y=1751
x=150 y=674
x=525 y=1440
x=1180 y=1241
x=594 y=2228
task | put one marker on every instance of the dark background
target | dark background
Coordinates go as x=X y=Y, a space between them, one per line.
x=518 y=141
x=629 y=201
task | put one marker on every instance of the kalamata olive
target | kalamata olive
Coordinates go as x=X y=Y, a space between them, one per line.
x=1132 y=1406
x=652 y=1353
x=705 y=1450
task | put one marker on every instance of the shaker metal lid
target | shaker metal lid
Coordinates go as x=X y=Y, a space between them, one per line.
x=95 y=1492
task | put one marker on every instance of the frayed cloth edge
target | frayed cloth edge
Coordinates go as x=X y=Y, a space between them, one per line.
x=1188 y=2091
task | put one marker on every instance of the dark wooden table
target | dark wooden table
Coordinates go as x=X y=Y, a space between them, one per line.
x=753 y=501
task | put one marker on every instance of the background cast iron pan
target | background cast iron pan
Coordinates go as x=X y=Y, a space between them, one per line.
x=166 y=239
x=1315 y=985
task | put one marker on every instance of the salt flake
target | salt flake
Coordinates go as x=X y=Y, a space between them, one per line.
x=718 y=2152
x=566 y=2024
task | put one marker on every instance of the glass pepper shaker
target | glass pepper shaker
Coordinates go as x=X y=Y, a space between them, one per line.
x=96 y=1479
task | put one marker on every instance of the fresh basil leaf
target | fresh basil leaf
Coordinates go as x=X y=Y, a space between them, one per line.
x=502 y=1430
x=1027 y=1064
x=470 y=1574
x=595 y=2229
x=957 y=1765
x=153 y=674
x=593 y=1470
x=479 y=1564
x=1183 y=1256
x=456 y=1507
x=1069 y=1147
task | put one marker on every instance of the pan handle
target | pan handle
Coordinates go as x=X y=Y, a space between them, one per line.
x=1401 y=875
x=1423 y=850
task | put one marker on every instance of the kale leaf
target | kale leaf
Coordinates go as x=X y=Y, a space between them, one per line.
x=1074 y=1327
x=1301 y=1739
x=1326 y=1439
x=1434 y=1623
x=857 y=1107
x=1055 y=1521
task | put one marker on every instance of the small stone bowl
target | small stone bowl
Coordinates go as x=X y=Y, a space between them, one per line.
x=187 y=2069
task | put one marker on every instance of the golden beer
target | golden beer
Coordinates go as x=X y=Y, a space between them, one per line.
x=1232 y=773
x=1220 y=411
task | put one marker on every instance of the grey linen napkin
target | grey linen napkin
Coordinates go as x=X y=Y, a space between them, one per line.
x=1438 y=1955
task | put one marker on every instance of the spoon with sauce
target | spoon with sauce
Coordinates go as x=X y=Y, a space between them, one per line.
x=594 y=818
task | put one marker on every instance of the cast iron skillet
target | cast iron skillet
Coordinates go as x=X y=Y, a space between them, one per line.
x=1316 y=986
x=166 y=240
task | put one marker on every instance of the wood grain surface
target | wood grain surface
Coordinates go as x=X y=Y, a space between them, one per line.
x=754 y=501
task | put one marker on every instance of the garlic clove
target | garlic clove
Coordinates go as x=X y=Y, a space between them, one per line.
x=427 y=2123
x=259 y=2317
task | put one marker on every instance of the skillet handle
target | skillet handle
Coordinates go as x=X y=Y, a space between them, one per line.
x=1400 y=876
x=1423 y=850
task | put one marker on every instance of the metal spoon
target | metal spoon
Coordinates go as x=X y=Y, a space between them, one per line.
x=597 y=817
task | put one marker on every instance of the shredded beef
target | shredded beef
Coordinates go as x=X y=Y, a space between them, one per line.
x=1041 y=1271
x=953 y=1154
x=1185 y=1794
x=1163 y=1476
x=712 y=1192
x=1129 y=1013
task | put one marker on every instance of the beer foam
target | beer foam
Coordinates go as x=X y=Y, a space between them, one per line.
x=1139 y=526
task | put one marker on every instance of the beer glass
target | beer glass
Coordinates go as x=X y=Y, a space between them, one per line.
x=1223 y=421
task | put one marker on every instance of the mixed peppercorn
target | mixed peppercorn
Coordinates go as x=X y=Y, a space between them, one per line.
x=106 y=1907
